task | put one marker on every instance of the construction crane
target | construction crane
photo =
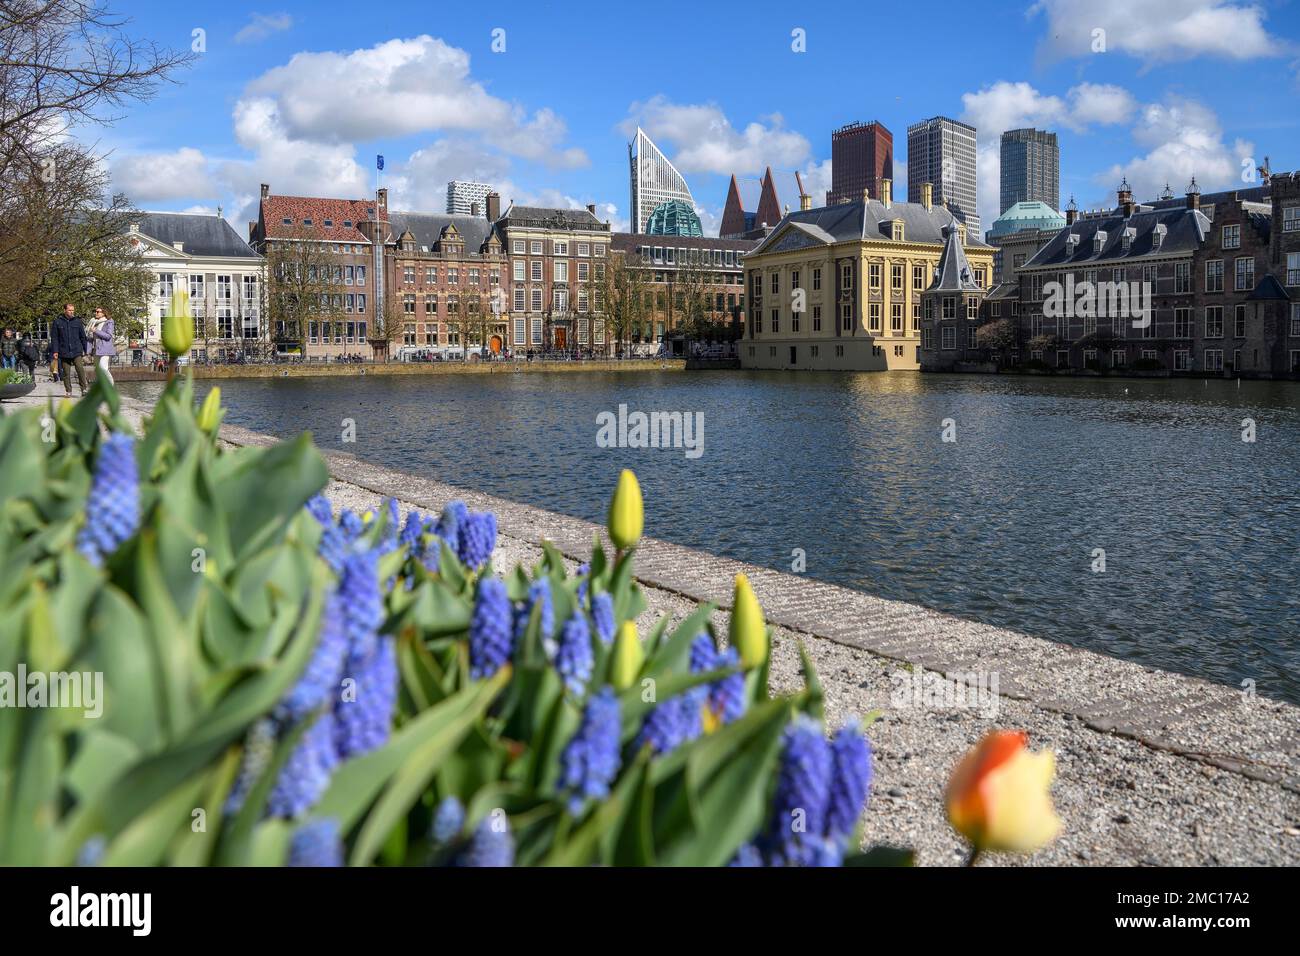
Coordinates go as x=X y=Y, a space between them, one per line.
x=805 y=201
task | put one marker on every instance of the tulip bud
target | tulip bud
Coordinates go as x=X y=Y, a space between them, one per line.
x=626 y=512
x=210 y=411
x=628 y=655
x=178 y=326
x=998 y=797
x=748 y=633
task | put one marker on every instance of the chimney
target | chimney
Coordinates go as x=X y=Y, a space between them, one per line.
x=266 y=190
x=1193 y=195
x=886 y=188
x=591 y=208
x=494 y=206
x=1125 y=196
x=927 y=195
x=1071 y=212
x=805 y=202
x=381 y=204
x=473 y=209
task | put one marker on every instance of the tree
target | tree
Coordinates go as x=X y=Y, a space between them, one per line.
x=387 y=330
x=297 y=288
x=623 y=292
x=691 y=306
x=66 y=65
x=996 y=337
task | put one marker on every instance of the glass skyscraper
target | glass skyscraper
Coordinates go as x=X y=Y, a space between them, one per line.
x=654 y=180
x=941 y=151
x=1031 y=168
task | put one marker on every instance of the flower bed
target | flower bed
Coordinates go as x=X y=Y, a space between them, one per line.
x=283 y=684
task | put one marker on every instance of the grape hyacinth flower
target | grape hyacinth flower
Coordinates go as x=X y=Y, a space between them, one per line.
x=306 y=773
x=478 y=538
x=726 y=697
x=590 y=761
x=747 y=855
x=491 y=845
x=92 y=851
x=450 y=522
x=114 y=500
x=581 y=572
x=573 y=656
x=259 y=748
x=802 y=795
x=539 y=592
x=319 y=681
x=490 y=640
x=674 y=722
x=319 y=507
x=448 y=821
x=363 y=723
x=412 y=532
x=361 y=602
x=317 y=843
x=351 y=524
x=602 y=612
x=850 y=782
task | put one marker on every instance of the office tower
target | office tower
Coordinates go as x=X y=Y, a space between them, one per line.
x=862 y=154
x=941 y=151
x=1031 y=168
x=654 y=180
x=463 y=197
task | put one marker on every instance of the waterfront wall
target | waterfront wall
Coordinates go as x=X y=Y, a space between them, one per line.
x=405 y=368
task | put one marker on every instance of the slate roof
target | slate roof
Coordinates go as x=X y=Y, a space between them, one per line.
x=856 y=221
x=1253 y=194
x=199 y=235
x=1267 y=289
x=1185 y=231
x=427 y=228
x=953 y=274
x=1004 y=290
x=276 y=209
x=556 y=218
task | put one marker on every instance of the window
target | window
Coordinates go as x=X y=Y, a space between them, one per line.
x=972 y=307
x=1295 y=320
x=979 y=278
x=817 y=318
x=1182 y=277
x=1214 y=322
x=846 y=277
x=776 y=320
x=1239 y=322
x=1293 y=268
x=1214 y=360
x=1182 y=323
x=873 y=317
x=535 y=300
x=560 y=248
x=927 y=338
x=518 y=268
x=1245 y=274
x=521 y=329
x=453 y=276
x=537 y=331
x=918 y=278
x=949 y=307
x=535 y=248
x=1291 y=219
x=1232 y=237
x=584 y=249
x=846 y=316
x=873 y=276
x=775 y=282
x=561 y=272
x=896 y=278
x=794 y=279
x=408 y=274
x=948 y=337
x=519 y=298
x=361 y=276
x=1214 y=275
x=817 y=280
x=517 y=247
x=1182 y=360
x=535 y=270
x=916 y=316
x=896 y=317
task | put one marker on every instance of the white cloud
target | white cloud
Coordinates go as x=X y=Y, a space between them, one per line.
x=817 y=180
x=1157 y=30
x=706 y=141
x=163 y=177
x=401 y=87
x=262 y=26
x=1183 y=139
x=1099 y=104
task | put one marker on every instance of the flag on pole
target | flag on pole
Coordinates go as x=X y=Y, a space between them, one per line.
x=379 y=161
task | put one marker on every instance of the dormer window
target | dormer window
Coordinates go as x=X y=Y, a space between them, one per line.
x=1071 y=243
x=1099 y=241
x=287 y=221
x=1128 y=236
x=1158 y=235
x=347 y=223
x=329 y=222
x=306 y=222
x=896 y=228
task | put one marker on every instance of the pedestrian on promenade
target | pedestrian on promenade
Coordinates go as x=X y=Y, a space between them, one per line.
x=8 y=349
x=69 y=345
x=102 y=333
x=28 y=353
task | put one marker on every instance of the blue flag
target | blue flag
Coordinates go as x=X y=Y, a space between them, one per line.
x=379 y=161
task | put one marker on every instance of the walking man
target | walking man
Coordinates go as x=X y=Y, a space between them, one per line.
x=69 y=344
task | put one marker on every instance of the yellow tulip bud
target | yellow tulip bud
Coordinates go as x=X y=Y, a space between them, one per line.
x=626 y=512
x=748 y=631
x=210 y=411
x=177 y=325
x=999 y=796
x=628 y=656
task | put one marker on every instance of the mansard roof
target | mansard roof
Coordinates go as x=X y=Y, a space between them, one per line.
x=199 y=235
x=428 y=229
x=857 y=221
x=954 y=273
x=1184 y=231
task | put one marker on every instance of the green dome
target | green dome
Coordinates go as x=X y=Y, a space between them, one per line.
x=1027 y=215
x=674 y=218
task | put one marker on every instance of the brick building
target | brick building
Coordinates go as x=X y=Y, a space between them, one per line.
x=445 y=276
x=671 y=264
x=862 y=157
x=557 y=261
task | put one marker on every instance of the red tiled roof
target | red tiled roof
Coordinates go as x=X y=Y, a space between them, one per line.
x=276 y=209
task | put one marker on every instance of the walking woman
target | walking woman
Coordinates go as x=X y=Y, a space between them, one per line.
x=102 y=334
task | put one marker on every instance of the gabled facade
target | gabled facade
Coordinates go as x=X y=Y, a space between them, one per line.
x=203 y=255
x=841 y=287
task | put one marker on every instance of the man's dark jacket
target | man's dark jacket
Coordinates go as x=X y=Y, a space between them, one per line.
x=68 y=337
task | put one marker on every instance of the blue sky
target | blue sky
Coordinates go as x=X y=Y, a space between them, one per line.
x=303 y=96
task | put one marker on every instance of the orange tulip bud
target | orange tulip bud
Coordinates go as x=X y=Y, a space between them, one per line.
x=998 y=797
